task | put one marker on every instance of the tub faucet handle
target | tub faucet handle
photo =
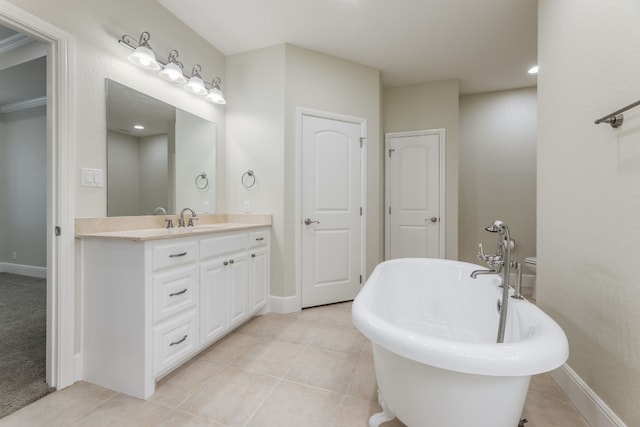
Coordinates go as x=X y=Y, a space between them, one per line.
x=481 y=255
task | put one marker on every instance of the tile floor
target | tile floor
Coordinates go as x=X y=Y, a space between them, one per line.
x=311 y=368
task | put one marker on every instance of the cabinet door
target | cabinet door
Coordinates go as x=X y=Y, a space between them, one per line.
x=237 y=288
x=258 y=279
x=213 y=299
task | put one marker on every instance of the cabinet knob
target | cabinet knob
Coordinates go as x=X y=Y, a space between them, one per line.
x=253 y=255
x=225 y=263
x=230 y=261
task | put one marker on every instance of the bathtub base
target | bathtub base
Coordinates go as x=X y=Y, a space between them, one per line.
x=381 y=417
x=421 y=395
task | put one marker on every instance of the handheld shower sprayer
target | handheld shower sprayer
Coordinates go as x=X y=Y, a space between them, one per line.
x=496 y=227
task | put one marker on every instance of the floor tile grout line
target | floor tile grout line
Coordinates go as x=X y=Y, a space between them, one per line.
x=355 y=368
x=261 y=405
x=96 y=407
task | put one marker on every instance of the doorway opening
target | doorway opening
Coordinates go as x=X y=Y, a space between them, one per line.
x=52 y=177
x=23 y=215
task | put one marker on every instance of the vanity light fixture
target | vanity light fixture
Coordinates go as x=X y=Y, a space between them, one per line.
x=215 y=94
x=195 y=84
x=172 y=71
x=143 y=56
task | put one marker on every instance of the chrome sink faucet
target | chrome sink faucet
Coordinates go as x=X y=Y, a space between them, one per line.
x=181 y=219
x=499 y=262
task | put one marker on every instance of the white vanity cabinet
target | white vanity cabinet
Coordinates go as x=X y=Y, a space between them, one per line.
x=150 y=305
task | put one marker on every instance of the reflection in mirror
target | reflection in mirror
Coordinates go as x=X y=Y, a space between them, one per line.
x=159 y=158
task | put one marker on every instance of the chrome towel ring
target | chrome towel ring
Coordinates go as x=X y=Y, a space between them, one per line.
x=248 y=179
x=202 y=181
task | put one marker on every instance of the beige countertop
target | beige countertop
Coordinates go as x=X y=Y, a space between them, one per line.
x=151 y=227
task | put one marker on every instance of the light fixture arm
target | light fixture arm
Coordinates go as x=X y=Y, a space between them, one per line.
x=195 y=72
x=173 y=58
x=215 y=83
x=131 y=42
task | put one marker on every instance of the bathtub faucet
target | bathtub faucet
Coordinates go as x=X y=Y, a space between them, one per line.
x=495 y=261
x=500 y=262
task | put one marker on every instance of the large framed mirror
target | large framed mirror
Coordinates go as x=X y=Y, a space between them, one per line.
x=160 y=159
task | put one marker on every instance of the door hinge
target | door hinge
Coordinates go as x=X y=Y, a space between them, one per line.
x=360 y=210
x=57 y=230
x=362 y=141
x=389 y=210
x=391 y=150
x=361 y=279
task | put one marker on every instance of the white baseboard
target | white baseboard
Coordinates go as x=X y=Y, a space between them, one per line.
x=23 y=270
x=283 y=305
x=586 y=401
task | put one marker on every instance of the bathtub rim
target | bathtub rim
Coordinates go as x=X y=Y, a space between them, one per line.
x=545 y=351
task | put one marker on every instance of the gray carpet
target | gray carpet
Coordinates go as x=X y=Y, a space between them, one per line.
x=23 y=317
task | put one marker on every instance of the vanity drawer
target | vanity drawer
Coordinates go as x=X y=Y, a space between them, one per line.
x=173 y=291
x=223 y=244
x=174 y=341
x=258 y=238
x=173 y=254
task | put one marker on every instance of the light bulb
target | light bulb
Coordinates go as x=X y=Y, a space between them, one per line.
x=195 y=85
x=215 y=96
x=145 y=58
x=173 y=73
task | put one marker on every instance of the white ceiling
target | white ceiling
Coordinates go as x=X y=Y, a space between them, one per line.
x=488 y=44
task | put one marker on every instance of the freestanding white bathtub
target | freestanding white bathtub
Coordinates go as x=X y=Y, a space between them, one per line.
x=433 y=331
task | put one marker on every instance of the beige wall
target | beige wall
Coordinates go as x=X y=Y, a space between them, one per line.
x=97 y=26
x=326 y=83
x=255 y=136
x=589 y=191
x=431 y=106
x=498 y=170
x=267 y=86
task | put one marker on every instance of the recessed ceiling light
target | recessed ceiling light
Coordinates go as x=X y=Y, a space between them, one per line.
x=139 y=127
x=533 y=70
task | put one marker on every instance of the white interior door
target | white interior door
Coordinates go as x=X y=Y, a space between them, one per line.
x=332 y=204
x=414 y=194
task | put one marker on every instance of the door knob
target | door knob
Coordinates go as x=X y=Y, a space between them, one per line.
x=309 y=222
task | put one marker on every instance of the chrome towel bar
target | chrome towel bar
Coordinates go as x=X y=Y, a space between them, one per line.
x=616 y=118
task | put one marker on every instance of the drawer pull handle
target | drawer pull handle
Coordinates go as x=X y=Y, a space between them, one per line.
x=179 y=341
x=259 y=238
x=173 y=294
x=177 y=255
